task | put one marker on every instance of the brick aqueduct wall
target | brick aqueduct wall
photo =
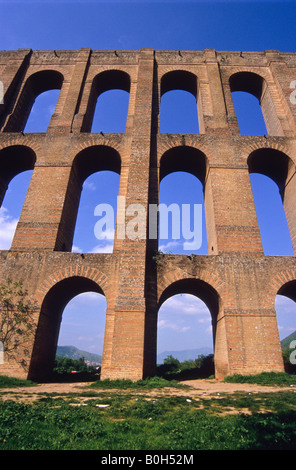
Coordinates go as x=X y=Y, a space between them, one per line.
x=235 y=280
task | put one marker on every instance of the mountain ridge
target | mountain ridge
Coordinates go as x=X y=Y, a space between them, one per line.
x=184 y=355
x=285 y=343
x=74 y=353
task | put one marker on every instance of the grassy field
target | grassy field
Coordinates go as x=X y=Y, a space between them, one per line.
x=130 y=418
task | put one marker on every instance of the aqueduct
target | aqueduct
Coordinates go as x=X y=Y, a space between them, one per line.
x=235 y=279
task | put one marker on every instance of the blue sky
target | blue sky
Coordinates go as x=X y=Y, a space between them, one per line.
x=184 y=321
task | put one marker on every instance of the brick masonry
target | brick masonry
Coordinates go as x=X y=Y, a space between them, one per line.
x=236 y=281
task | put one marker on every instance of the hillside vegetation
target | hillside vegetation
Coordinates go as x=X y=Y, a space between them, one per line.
x=74 y=353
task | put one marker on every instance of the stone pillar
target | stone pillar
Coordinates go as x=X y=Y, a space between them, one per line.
x=217 y=123
x=231 y=218
x=125 y=326
x=39 y=224
x=11 y=77
x=253 y=343
x=64 y=122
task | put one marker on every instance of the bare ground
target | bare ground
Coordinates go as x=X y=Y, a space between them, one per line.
x=201 y=388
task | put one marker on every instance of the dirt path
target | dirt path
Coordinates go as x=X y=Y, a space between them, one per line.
x=198 y=389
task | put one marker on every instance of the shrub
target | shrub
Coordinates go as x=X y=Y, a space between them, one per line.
x=201 y=367
x=265 y=378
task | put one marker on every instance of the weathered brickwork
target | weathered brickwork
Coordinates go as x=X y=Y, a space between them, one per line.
x=235 y=280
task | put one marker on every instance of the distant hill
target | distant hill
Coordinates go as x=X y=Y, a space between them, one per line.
x=185 y=355
x=285 y=343
x=74 y=353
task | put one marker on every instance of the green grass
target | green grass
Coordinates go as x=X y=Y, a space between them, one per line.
x=136 y=420
x=265 y=378
x=148 y=383
x=149 y=423
x=11 y=382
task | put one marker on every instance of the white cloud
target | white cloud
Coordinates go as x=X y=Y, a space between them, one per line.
x=89 y=185
x=187 y=304
x=7 y=228
x=168 y=246
x=284 y=305
x=103 y=248
x=164 y=324
x=76 y=249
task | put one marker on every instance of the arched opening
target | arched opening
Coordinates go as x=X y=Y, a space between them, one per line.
x=181 y=215
x=36 y=84
x=16 y=167
x=184 y=328
x=48 y=328
x=94 y=230
x=94 y=159
x=187 y=321
x=178 y=113
x=271 y=217
x=42 y=111
x=179 y=106
x=111 y=111
x=270 y=173
x=108 y=102
x=181 y=208
x=83 y=325
x=252 y=112
x=249 y=114
x=11 y=208
x=285 y=306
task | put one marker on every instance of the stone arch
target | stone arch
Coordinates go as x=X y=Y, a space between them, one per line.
x=258 y=86
x=88 y=161
x=169 y=142
x=289 y=289
x=95 y=141
x=184 y=158
x=104 y=81
x=179 y=79
x=281 y=169
x=172 y=276
x=71 y=270
x=182 y=80
x=273 y=163
x=193 y=161
x=282 y=283
x=194 y=286
x=259 y=143
x=210 y=296
x=47 y=331
x=14 y=159
x=247 y=81
x=21 y=140
x=96 y=158
x=35 y=84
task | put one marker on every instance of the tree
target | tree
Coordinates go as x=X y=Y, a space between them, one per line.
x=16 y=319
